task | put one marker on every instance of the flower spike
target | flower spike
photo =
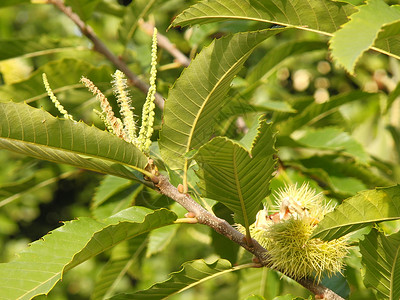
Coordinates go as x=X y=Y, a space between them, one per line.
x=124 y=101
x=146 y=129
x=54 y=99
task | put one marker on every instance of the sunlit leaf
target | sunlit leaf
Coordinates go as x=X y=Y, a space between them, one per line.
x=40 y=266
x=199 y=94
x=365 y=208
x=236 y=175
x=322 y=16
x=359 y=34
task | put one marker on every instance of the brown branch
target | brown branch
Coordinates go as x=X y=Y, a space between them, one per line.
x=223 y=227
x=101 y=48
x=165 y=43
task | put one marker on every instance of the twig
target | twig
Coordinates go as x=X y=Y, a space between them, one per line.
x=100 y=47
x=223 y=227
x=164 y=43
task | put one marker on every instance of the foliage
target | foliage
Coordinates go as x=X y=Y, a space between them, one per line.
x=259 y=95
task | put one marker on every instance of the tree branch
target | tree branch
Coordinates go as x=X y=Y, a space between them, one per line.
x=223 y=227
x=101 y=48
x=165 y=43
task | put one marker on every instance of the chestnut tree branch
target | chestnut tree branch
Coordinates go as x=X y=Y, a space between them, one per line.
x=101 y=48
x=221 y=226
x=165 y=43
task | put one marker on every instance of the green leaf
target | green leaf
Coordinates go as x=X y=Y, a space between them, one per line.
x=262 y=281
x=359 y=34
x=62 y=74
x=34 y=132
x=381 y=256
x=191 y=274
x=321 y=16
x=5 y=3
x=199 y=94
x=237 y=176
x=83 y=8
x=123 y=257
x=365 y=208
x=278 y=54
x=315 y=111
x=112 y=195
x=73 y=243
x=160 y=238
x=15 y=47
x=136 y=11
x=333 y=138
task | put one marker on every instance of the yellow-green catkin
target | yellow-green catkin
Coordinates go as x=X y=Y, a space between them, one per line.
x=146 y=129
x=121 y=91
x=286 y=235
x=116 y=123
x=54 y=99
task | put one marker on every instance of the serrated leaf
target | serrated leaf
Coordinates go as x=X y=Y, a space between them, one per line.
x=236 y=176
x=359 y=34
x=191 y=274
x=34 y=132
x=333 y=138
x=381 y=256
x=62 y=74
x=71 y=244
x=199 y=94
x=322 y=16
x=365 y=208
x=15 y=47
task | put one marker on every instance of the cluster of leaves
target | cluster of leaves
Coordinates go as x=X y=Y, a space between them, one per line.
x=212 y=139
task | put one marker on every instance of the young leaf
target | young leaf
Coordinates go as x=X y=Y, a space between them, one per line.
x=36 y=133
x=359 y=34
x=199 y=94
x=365 y=208
x=381 y=257
x=191 y=274
x=76 y=241
x=238 y=176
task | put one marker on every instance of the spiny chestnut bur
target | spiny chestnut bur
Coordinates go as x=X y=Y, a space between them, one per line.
x=286 y=235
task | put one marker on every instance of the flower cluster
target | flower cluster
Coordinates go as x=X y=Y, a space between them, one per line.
x=286 y=234
x=125 y=128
